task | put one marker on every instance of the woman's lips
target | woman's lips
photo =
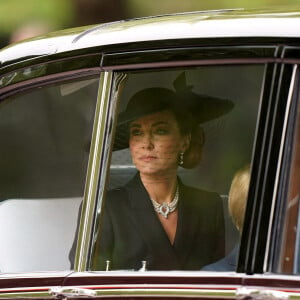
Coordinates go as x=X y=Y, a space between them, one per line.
x=148 y=158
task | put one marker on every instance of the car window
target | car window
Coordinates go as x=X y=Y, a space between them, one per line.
x=181 y=137
x=286 y=257
x=45 y=137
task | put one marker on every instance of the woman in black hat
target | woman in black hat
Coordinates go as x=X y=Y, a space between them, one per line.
x=155 y=218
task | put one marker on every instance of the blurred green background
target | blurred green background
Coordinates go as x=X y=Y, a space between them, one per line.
x=19 y=19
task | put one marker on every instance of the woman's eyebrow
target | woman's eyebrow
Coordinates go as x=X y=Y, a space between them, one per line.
x=154 y=124
x=160 y=123
x=135 y=125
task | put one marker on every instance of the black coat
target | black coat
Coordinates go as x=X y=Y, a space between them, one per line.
x=132 y=232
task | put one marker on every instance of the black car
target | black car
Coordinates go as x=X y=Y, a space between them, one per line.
x=66 y=151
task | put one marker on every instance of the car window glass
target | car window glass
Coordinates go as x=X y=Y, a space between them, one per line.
x=45 y=136
x=287 y=259
x=182 y=136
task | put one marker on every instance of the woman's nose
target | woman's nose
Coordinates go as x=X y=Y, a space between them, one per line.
x=148 y=142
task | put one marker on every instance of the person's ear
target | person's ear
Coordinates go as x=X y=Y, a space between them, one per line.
x=186 y=142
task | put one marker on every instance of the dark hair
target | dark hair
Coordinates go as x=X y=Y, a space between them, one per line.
x=200 y=108
x=188 y=125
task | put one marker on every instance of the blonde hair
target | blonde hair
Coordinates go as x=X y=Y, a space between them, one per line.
x=238 y=196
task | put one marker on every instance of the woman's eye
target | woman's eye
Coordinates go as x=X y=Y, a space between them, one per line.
x=161 y=131
x=135 y=132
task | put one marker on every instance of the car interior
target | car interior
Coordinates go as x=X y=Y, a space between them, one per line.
x=47 y=133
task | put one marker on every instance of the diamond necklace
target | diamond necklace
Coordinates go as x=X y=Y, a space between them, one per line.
x=166 y=208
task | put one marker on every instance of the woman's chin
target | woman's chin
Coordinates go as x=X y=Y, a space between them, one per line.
x=156 y=171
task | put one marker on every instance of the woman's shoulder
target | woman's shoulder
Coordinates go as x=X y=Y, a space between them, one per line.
x=116 y=193
x=201 y=198
x=199 y=191
x=121 y=191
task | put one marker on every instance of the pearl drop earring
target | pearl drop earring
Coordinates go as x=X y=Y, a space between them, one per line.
x=181 y=158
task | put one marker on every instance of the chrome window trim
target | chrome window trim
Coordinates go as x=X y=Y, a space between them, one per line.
x=98 y=145
x=27 y=295
x=148 y=290
x=280 y=158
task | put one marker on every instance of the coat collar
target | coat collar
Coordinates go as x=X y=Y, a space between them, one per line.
x=151 y=230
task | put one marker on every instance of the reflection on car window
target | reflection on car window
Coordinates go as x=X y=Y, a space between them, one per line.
x=177 y=147
x=287 y=259
x=237 y=199
x=45 y=136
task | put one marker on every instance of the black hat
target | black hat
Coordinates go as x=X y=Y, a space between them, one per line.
x=203 y=108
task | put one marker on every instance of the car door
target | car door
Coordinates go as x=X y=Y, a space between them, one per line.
x=47 y=113
x=252 y=80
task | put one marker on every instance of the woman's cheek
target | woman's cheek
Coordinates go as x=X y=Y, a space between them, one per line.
x=133 y=145
x=170 y=146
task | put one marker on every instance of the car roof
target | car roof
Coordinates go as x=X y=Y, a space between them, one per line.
x=206 y=24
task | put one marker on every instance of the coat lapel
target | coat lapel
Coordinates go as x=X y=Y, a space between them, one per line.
x=148 y=225
x=187 y=226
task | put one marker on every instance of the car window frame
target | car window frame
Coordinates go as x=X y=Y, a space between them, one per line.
x=165 y=59
x=282 y=260
x=254 y=256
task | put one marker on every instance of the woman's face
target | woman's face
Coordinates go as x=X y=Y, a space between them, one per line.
x=155 y=142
